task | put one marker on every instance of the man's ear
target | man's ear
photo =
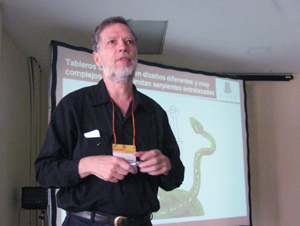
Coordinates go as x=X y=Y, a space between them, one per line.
x=97 y=59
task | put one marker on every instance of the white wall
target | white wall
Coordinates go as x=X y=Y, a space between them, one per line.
x=14 y=131
x=274 y=130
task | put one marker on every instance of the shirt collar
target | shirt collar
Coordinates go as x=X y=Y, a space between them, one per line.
x=101 y=96
x=141 y=99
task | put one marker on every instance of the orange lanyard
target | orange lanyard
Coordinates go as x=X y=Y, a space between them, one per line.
x=113 y=121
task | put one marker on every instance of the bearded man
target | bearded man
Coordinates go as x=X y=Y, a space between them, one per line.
x=109 y=147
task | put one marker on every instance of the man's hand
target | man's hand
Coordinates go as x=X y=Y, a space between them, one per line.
x=154 y=162
x=105 y=167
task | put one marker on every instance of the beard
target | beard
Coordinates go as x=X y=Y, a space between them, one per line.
x=124 y=74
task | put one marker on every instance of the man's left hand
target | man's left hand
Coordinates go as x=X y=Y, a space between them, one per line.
x=154 y=162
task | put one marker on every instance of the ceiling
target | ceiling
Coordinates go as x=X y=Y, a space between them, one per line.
x=232 y=36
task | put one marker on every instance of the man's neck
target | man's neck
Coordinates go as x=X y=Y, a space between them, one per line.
x=121 y=93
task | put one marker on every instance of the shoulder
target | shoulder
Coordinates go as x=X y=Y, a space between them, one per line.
x=83 y=93
x=150 y=104
x=81 y=96
x=74 y=105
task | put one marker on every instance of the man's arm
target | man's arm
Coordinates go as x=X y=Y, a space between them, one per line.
x=166 y=162
x=55 y=166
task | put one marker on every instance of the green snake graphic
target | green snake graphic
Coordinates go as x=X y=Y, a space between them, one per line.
x=181 y=203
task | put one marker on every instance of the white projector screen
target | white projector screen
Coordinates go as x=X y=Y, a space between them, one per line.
x=208 y=117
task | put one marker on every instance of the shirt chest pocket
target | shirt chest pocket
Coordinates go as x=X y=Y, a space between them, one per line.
x=95 y=146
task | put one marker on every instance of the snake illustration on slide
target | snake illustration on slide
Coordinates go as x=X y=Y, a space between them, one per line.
x=181 y=203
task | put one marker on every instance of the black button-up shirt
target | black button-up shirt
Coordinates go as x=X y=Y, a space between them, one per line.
x=89 y=109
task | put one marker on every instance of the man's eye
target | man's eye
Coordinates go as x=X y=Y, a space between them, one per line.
x=129 y=41
x=111 y=41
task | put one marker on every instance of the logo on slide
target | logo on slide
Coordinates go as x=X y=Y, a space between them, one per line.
x=227 y=90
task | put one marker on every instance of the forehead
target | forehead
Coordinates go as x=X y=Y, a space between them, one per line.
x=117 y=29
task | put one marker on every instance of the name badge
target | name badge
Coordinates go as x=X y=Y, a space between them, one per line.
x=124 y=151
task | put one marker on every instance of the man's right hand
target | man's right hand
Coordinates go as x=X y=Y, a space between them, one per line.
x=105 y=167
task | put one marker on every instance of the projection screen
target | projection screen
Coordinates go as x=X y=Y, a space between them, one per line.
x=207 y=114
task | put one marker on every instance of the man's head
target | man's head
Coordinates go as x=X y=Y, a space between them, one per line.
x=114 y=45
x=105 y=23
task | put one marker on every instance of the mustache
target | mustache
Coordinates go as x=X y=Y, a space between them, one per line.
x=124 y=54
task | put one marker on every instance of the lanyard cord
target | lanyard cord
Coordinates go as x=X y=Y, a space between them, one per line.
x=113 y=120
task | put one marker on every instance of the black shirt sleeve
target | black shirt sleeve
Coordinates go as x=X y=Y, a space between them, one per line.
x=55 y=167
x=170 y=148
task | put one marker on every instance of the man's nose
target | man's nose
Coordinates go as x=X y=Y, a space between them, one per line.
x=123 y=46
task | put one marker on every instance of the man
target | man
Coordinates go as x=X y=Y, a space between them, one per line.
x=79 y=154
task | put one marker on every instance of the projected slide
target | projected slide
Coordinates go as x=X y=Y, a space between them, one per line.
x=207 y=116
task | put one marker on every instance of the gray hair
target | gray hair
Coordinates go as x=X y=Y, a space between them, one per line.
x=104 y=24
